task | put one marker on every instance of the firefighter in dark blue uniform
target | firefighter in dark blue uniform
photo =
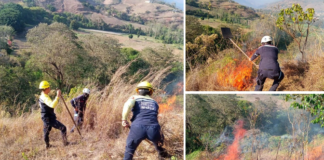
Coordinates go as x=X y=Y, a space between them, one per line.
x=269 y=66
x=48 y=116
x=145 y=124
x=79 y=105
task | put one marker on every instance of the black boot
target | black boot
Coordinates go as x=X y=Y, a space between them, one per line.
x=48 y=145
x=163 y=153
x=65 y=142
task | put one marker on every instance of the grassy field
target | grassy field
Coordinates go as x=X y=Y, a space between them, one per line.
x=138 y=43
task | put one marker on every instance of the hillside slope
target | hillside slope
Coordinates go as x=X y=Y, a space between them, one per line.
x=72 y=6
x=230 y=7
x=149 y=12
x=318 y=5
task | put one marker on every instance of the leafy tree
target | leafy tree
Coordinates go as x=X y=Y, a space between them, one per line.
x=128 y=9
x=74 y=25
x=130 y=28
x=295 y=22
x=51 y=44
x=51 y=8
x=193 y=28
x=58 y=18
x=16 y=85
x=313 y=103
x=30 y=3
x=37 y=15
x=138 y=33
x=5 y=34
x=105 y=56
x=12 y=14
x=130 y=36
x=130 y=53
x=209 y=114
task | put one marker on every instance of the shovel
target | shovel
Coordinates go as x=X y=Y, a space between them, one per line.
x=227 y=34
x=71 y=116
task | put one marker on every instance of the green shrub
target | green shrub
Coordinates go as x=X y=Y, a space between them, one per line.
x=130 y=53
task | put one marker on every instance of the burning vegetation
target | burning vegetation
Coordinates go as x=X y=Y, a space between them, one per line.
x=169 y=102
x=237 y=74
x=254 y=127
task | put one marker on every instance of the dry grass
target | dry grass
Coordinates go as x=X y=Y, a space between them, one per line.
x=103 y=136
x=298 y=77
x=313 y=151
x=303 y=77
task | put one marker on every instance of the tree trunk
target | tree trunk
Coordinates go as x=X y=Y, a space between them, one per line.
x=303 y=56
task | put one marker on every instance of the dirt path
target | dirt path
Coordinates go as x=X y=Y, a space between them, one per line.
x=106 y=32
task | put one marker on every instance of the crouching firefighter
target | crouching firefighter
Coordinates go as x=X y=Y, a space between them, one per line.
x=47 y=111
x=79 y=105
x=269 y=66
x=145 y=124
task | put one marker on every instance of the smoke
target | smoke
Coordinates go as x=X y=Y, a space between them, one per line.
x=234 y=150
x=279 y=132
x=167 y=102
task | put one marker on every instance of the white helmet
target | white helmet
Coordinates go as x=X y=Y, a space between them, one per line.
x=266 y=39
x=86 y=90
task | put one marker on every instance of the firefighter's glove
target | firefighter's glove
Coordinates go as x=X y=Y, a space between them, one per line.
x=125 y=123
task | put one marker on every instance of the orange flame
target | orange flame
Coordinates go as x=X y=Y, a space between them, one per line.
x=233 y=151
x=170 y=102
x=180 y=87
x=168 y=105
x=236 y=74
x=315 y=153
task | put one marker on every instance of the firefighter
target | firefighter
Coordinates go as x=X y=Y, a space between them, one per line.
x=269 y=66
x=47 y=112
x=79 y=105
x=145 y=124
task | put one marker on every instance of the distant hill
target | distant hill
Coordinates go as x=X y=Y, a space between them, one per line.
x=147 y=10
x=230 y=7
x=163 y=13
x=255 y=3
x=318 y=5
x=246 y=3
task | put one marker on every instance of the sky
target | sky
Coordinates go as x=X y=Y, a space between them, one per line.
x=179 y=3
x=255 y=3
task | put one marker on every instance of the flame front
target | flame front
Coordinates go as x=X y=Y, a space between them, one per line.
x=236 y=74
x=233 y=151
x=315 y=153
x=170 y=102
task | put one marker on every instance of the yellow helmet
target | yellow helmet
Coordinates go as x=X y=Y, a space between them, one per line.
x=44 y=85
x=144 y=85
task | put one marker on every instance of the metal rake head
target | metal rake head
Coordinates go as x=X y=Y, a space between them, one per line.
x=226 y=33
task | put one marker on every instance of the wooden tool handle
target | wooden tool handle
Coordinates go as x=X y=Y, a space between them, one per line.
x=243 y=52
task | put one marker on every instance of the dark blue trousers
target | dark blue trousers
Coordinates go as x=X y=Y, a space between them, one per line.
x=277 y=76
x=48 y=124
x=138 y=133
x=78 y=120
